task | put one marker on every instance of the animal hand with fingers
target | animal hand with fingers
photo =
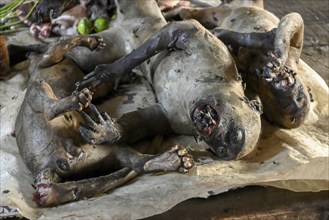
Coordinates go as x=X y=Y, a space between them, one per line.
x=107 y=130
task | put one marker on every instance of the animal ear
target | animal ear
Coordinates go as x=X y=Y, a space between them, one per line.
x=256 y=105
x=253 y=104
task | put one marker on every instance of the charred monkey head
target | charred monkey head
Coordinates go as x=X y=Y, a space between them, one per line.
x=285 y=104
x=229 y=124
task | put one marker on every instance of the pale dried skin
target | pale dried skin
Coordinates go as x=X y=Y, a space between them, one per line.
x=179 y=55
x=177 y=68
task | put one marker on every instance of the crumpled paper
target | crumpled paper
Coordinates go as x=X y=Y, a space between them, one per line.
x=296 y=159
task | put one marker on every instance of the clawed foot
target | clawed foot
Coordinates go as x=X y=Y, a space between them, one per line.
x=175 y=159
x=44 y=194
x=107 y=130
x=280 y=77
x=96 y=43
x=42 y=190
x=48 y=193
x=82 y=99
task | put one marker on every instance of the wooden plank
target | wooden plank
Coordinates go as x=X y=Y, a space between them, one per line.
x=253 y=202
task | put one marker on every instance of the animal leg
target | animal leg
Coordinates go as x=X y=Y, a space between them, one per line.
x=50 y=192
x=177 y=159
x=256 y=40
x=18 y=53
x=132 y=127
x=172 y=36
x=56 y=52
x=288 y=44
x=285 y=98
x=42 y=99
x=129 y=128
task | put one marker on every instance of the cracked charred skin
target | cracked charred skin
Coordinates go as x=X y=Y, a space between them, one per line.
x=188 y=103
x=185 y=40
x=267 y=51
x=223 y=128
x=44 y=8
x=47 y=126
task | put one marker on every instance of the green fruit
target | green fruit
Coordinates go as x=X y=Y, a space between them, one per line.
x=101 y=24
x=85 y=26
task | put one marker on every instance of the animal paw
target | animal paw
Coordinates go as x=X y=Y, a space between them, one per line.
x=96 y=43
x=43 y=194
x=280 y=76
x=107 y=130
x=42 y=190
x=271 y=68
x=49 y=192
x=83 y=99
x=103 y=73
x=175 y=159
x=285 y=78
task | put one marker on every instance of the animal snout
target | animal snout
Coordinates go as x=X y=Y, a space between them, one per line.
x=221 y=151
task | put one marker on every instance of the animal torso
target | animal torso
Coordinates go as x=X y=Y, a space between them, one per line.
x=183 y=77
x=249 y=19
x=37 y=135
x=188 y=78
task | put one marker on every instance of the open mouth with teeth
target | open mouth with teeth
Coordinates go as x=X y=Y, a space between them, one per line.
x=285 y=78
x=205 y=119
x=282 y=79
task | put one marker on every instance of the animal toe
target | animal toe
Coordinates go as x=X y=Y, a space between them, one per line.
x=40 y=196
x=187 y=162
x=101 y=43
x=182 y=152
x=85 y=97
x=87 y=134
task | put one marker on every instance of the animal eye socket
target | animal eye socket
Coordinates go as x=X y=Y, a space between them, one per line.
x=236 y=136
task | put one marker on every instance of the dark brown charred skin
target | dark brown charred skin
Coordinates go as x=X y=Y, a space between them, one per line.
x=47 y=134
x=51 y=191
x=129 y=128
x=55 y=193
x=135 y=125
x=205 y=119
x=171 y=36
x=268 y=61
x=47 y=8
x=17 y=53
x=224 y=133
x=285 y=98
